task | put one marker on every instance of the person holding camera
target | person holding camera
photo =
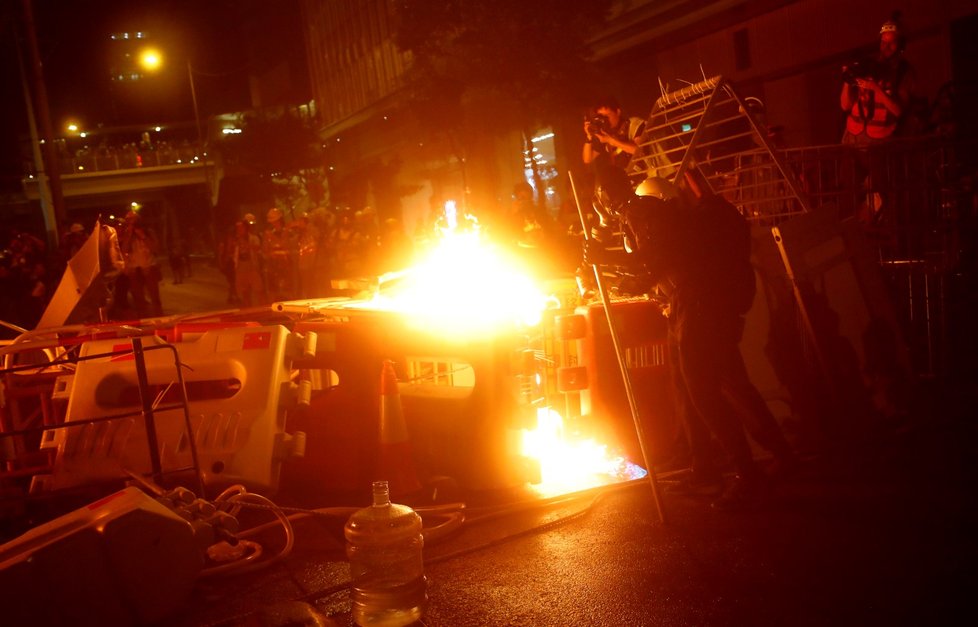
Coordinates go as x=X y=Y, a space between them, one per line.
x=610 y=143
x=876 y=93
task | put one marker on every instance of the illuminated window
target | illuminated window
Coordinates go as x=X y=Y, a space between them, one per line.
x=434 y=371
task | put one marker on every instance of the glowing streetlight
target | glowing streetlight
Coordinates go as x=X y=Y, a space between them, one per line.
x=150 y=59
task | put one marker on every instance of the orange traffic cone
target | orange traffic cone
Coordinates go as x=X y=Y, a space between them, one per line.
x=395 y=463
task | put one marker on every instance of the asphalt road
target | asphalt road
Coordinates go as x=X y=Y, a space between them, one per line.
x=204 y=290
x=879 y=533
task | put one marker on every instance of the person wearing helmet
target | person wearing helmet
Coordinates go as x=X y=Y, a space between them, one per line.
x=72 y=241
x=877 y=97
x=139 y=250
x=246 y=259
x=279 y=265
x=695 y=246
x=876 y=93
x=225 y=261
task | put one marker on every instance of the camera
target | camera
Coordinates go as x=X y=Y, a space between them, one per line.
x=856 y=70
x=599 y=124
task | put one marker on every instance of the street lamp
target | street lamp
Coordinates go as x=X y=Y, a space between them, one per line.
x=39 y=123
x=151 y=60
x=193 y=98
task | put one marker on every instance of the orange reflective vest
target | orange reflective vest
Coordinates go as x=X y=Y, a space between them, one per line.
x=871 y=116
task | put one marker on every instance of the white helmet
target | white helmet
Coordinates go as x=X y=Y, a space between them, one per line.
x=658 y=187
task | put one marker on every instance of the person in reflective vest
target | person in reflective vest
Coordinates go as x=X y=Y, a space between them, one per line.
x=876 y=92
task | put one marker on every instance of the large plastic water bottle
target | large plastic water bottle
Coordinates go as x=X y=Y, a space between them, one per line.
x=383 y=544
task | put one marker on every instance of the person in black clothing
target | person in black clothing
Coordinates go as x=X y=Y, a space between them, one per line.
x=696 y=249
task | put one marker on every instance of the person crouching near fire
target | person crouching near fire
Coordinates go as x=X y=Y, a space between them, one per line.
x=696 y=247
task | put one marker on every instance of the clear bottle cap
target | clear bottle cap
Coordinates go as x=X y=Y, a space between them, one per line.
x=382 y=494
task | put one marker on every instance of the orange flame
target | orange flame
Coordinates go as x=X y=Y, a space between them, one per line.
x=463 y=286
x=570 y=463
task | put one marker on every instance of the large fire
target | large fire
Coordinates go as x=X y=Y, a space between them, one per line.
x=465 y=285
x=570 y=463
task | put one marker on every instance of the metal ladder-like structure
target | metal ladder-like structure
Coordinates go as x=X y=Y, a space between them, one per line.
x=709 y=126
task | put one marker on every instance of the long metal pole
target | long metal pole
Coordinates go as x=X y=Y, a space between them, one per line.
x=43 y=117
x=147 y=404
x=208 y=184
x=193 y=98
x=626 y=375
x=40 y=168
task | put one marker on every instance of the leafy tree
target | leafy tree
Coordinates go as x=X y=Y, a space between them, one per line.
x=281 y=148
x=504 y=65
x=479 y=54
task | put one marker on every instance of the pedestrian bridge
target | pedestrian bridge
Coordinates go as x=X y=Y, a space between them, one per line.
x=82 y=183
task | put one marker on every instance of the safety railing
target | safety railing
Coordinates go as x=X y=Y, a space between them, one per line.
x=915 y=200
x=126 y=158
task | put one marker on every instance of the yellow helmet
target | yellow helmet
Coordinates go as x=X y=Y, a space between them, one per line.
x=274 y=215
x=250 y=218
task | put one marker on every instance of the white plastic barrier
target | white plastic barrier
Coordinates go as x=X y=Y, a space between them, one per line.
x=239 y=385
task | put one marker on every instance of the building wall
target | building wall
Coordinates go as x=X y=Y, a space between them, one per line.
x=788 y=53
x=353 y=61
x=355 y=70
x=795 y=51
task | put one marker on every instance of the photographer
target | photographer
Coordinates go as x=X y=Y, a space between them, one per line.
x=610 y=143
x=876 y=93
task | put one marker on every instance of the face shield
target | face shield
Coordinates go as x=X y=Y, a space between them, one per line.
x=638 y=220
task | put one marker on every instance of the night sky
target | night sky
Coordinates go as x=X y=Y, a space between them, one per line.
x=76 y=54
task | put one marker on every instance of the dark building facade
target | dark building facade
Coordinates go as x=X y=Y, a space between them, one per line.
x=787 y=53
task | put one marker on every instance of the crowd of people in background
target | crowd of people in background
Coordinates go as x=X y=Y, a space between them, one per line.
x=111 y=154
x=284 y=255
x=338 y=252
x=126 y=285
x=313 y=255
x=24 y=279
